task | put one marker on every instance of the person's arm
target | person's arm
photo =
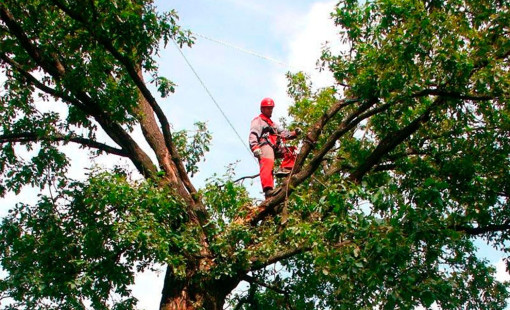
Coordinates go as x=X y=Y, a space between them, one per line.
x=255 y=133
x=289 y=135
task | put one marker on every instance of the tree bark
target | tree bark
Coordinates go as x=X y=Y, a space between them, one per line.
x=195 y=292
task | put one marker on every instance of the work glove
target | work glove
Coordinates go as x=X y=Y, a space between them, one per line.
x=257 y=153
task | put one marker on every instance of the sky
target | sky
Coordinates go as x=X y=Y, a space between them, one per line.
x=242 y=52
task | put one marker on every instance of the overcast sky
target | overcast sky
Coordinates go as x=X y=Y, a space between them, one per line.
x=285 y=35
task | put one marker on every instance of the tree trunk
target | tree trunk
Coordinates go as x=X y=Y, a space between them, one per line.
x=195 y=293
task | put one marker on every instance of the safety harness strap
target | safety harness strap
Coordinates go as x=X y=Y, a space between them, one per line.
x=269 y=134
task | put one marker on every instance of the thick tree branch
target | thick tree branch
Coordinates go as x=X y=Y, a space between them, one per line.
x=33 y=137
x=156 y=141
x=56 y=69
x=314 y=133
x=50 y=91
x=391 y=141
x=133 y=72
x=299 y=174
x=319 y=154
x=348 y=124
x=53 y=66
x=116 y=132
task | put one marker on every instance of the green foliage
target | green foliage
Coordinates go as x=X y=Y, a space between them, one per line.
x=357 y=260
x=87 y=243
x=47 y=165
x=403 y=237
x=228 y=202
x=74 y=37
x=192 y=148
x=425 y=135
x=403 y=46
x=165 y=86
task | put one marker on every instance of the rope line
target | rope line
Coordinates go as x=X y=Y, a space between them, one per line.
x=247 y=51
x=212 y=97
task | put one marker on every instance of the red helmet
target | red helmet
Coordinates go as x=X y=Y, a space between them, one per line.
x=267 y=102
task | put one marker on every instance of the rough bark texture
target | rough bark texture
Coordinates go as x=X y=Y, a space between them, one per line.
x=195 y=293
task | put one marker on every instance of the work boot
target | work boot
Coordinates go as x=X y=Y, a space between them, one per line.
x=282 y=172
x=269 y=192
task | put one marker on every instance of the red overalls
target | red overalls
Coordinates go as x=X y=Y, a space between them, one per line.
x=266 y=136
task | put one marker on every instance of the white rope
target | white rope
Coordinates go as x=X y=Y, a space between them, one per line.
x=212 y=98
x=276 y=61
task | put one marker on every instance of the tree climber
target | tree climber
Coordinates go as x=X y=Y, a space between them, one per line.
x=267 y=142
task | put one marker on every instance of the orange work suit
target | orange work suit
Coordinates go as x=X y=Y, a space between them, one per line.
x=266 y=136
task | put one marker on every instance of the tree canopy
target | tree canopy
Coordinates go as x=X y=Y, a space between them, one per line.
x=404 y=164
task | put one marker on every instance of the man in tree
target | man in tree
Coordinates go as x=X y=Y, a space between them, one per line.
x=404 y=166
x=267 y=142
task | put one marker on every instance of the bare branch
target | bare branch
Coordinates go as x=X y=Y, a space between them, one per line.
x=33 y=137
x=480 y=230
x=253 y=280
x=454 y=95
x=257 y=263
x=246 y=177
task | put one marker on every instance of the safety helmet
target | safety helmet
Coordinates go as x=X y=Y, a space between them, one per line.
x=267 y=102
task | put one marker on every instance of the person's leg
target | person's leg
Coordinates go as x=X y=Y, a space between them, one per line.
x=266 y=163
